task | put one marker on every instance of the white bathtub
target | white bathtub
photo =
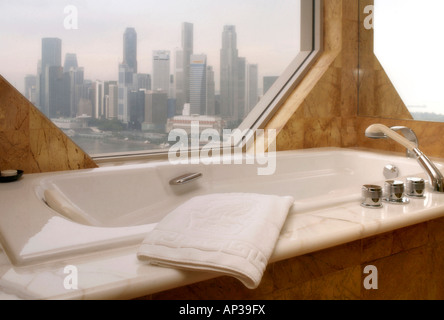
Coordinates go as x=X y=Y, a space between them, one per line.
x=114 y=207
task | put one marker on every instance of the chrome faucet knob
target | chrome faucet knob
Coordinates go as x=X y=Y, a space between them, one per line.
x=371 y=196
x=394 y=192
x=415 y=187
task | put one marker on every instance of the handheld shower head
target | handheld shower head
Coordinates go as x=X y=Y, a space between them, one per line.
x=380 y=131
x=375 y=135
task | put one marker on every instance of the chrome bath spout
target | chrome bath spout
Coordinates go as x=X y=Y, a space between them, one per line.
x=436 y=179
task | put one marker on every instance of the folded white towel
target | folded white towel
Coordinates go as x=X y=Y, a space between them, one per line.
x=232 y=234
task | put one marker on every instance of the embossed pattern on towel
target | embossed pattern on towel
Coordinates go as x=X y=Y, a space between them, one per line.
x=212 y=218
x=228 y=233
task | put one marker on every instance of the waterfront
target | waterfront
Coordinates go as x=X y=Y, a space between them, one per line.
x=95 y=147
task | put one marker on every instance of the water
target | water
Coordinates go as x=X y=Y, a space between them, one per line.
x=111 y=145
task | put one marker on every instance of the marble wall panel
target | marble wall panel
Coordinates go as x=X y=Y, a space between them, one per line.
x=408 y=261
x=30 y=142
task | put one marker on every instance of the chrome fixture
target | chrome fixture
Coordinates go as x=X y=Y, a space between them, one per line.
x=371 y=196
x=407 y=132
x=436 y=179
x=186 y=178
x=415 y=187
x=391 y=171
x=394 y=192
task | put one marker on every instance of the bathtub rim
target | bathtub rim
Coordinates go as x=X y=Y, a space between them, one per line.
x=139 y=283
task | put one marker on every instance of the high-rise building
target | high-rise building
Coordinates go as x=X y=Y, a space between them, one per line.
x=31 y=88
x=229 y=74
x=112 y=101
x=252 y=87
x=55 y=91
x=187 y=47
x=241 y=88
x=161 y=71
x=125 y=82
x=211 y=92
x=99 y=99
x=51 y=52
x=70 y=62
x=141 y=81
x=156 y=111
x=182 y=68
x=127 y=69
x=38 y=85
x=179 y=92
x=136 y=101
x=198 y=84
x=106 y=99
x=172 y=90
x=86 y=98
x=130 y=49
x=73 y=84
x=76 y=91
x=51 y=57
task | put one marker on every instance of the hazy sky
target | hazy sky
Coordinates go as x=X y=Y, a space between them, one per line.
x=267 y=32
x=409 y=43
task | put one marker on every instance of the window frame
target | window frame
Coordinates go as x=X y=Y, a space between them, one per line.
x=310 y=49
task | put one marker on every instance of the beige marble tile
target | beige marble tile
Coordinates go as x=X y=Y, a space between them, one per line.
x=14 y=114
x=341 y=285
x=436 y=231
x=401 y=276
x=29 y=141
x=14 y=150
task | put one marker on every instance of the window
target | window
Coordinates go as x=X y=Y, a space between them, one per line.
x=407 y=43
x=118 y=76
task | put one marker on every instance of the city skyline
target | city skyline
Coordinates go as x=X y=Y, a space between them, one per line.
x=97 y=42
x=61 y=90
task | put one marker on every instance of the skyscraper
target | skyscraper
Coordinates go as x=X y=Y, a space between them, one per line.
x=109 y=99
x=229 y=74
x=51 y=57
x=56 y=103
x=130 y=49
x=187 y=47
x=141 y=81
x=182 y=68
x=51 y=52
x=136 y=101
x=70 y=62
x=127 y=69
x=161 y=71
x=125 y=82
x=30 y=88
x=76 y=89
x=252 y=87
x=99 y=99
x=211 y=92
x=156 y=111
x=198 y=84
x=241 y=87
x=113 y=101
